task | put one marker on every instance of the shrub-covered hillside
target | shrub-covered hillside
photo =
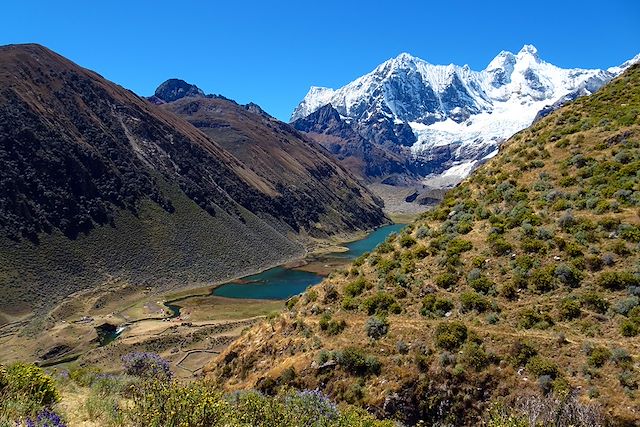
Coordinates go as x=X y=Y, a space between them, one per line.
x=147 y=395
x=523 y=285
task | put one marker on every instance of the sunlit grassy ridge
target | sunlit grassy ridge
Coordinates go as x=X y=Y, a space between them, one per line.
x=523 y=283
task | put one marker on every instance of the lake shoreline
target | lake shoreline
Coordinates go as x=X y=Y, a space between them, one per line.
x=291 y=279
x=151 y=325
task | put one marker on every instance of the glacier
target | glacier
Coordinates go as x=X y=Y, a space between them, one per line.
x=464 y=113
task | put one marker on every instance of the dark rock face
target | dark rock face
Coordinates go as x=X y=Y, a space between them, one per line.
x=307 y=178
x=174 y=89
x=455 y=96
x=71 y=169
x=377 y=153
x=381 y=129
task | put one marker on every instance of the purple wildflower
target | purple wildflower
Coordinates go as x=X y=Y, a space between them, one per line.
x=146 y=365
x=46 y=418
x=313 y=404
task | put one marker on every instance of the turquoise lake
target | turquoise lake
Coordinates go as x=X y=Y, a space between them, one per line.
x=282 y=283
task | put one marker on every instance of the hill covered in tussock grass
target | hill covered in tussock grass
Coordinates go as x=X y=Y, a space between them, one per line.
x=524 y=282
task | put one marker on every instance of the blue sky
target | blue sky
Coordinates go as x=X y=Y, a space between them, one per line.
x=270 y=52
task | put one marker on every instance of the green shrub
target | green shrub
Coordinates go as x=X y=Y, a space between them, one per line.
x=473 y=301
x=464 y=227
x=629 y=328
x=539 y=366
x=533 y=246
x=567 y=275
x=617 y=280
x=482 y=285
x=569 y=309
x=291 y=302
x=420 y=252
x=331 y=326
x=599 y=357
x=595 y=301
x=358 y=262
x=609 y=223
x=311 y=295
x=400 y=293
x=423 y=232
x=387 y=265
x=407 y=240
x=384 y=248
x=475 y=356
x=355 y=287
x=446 y=280
x=509 y=290
x=458 y=246
x=376 y=327
x=531 y=318
x=324 y=321
x=379 y=303
x=621 y=357
x=594 y=263
x=349 y=303
x=542 y=280
x=573 y=249
x=626 y=305
x=618 y=247
x=194 y=404
x=331 y=294
x=31 y=382
x=357 y=362
x=628 y=379
x=521 y=352
x=435 y=306
x=630 y=233
x=450 y=335
x=499 y=246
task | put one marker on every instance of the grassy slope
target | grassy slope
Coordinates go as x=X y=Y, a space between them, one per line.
x=538 y=227
x=188 y=247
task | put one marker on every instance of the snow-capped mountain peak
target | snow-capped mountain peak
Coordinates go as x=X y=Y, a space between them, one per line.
x=528 y=50
x=471 y=112
x=619 y=69
x=404 y=58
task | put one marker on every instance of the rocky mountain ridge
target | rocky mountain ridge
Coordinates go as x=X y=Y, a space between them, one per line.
x=452 y=117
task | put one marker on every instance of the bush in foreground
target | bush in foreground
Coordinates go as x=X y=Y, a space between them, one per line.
x=25 y=391
x=199 y=404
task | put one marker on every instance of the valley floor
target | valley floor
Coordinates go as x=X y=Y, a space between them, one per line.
x=205 y=325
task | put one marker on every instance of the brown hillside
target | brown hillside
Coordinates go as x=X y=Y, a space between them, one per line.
x=98 y=183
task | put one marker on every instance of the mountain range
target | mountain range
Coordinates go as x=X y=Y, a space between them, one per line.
x=440 y=121
x=100 y=185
